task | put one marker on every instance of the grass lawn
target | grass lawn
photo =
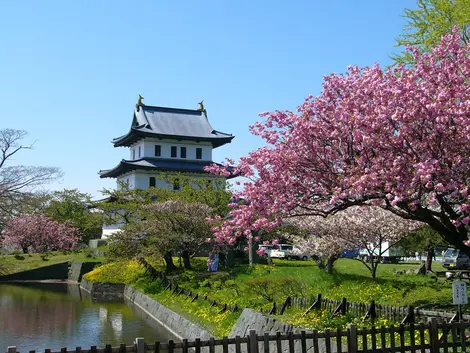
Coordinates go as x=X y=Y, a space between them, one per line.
x=10 y=264
x=250 y=287
x=351 y=279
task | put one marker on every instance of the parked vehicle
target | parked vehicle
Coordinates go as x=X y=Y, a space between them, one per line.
x=454 y=259
x=288 y=252
x=350 y=254
x=267 y=249
x=393 y=254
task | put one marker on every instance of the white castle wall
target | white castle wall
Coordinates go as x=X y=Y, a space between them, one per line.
x=147 y=149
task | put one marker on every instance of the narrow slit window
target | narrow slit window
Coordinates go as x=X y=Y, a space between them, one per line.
x=152 y=182
x=183 y=152
x=173 y=151
x=158 y=151
x=139 y=151
x=198 y=153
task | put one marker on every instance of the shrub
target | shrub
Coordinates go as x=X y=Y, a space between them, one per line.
x=277 y=288
x=127 y=272
x=262 y=287
x=291 y=287
x=123 y=245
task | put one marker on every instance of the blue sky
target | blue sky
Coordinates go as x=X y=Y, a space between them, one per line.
x=71 y=71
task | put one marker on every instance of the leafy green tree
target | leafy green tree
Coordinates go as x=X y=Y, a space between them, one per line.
x=73 y=206
x=164 y=233
x=170 y=227
x=424 y=239
x=123 y=205
x=211 y=192
x=430 y=21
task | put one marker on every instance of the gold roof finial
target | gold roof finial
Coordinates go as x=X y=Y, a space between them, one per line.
x=201 y=106
x=139 y=102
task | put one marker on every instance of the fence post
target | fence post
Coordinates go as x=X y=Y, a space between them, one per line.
x=352 y=338
x=344 y=304
x=316 y=305
x=140 y=345
x=371 y=313
x=253 y=342
x=410 y=316
x=273 y=309
x=11 y=349
x=433 y=335
x=287 y=303
x=341 y=308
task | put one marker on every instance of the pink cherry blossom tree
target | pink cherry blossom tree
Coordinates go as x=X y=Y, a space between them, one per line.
x=398 y=138
x=39 y=233
x=370 y=229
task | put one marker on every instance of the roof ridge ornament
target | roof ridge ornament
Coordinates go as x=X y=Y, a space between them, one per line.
x=201 y=106
x=139 y=102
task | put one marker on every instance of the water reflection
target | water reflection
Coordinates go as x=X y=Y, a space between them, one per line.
x=55 y=315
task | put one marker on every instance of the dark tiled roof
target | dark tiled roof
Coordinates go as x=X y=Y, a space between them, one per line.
x=171 y=123
x=156 y=164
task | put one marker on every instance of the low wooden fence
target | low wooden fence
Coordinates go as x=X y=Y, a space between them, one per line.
x=424 y=338
x=405 y=315
x=154 y=274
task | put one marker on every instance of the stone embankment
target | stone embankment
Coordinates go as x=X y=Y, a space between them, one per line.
x=71 y=271
x=181 y=327
x=177 y=324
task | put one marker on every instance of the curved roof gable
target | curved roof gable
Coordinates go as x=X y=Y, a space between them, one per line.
x=156 y=164
x=164 y=122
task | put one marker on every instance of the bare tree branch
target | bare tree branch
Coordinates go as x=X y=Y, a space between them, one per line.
x=18 y=182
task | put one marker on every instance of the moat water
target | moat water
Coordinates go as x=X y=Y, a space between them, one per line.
x=36 y=316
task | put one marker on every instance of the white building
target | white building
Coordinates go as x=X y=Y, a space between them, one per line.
x=169 y=140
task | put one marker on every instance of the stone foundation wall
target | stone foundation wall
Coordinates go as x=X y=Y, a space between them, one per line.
x=253 y=320
x=103 y=291
x=178 y=325
x=77 y=269
x=58 y=271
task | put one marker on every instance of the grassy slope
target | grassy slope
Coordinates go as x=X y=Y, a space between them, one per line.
x=351 y=280
x=9 y=264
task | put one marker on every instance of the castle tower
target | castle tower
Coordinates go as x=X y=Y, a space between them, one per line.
x=169 y=140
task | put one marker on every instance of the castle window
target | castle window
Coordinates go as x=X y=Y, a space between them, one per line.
x=198 y=153
x=158 y=151
x=176 y=184
x=173 y=151
x=139 y=151
x=183 y=152
x=133 y=153
x=152 y=182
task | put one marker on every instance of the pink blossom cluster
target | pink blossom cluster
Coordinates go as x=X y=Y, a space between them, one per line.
x=39 y=233
x=398 y=138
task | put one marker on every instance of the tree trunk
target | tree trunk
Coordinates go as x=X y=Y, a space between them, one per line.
x=329 y=265
x=319 y=261
x=230 y=263
x=429 y=254
x=169 y=261
x=251 y=254
x=186 y=259
x=253 y=257
x=374 y=267
x=25 y=249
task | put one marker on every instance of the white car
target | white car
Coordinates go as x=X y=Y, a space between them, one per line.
x=288 y=252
